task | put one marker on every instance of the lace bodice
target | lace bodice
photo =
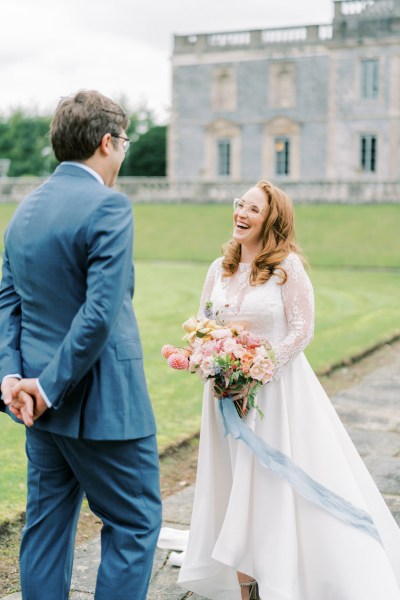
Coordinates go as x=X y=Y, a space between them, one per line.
x=281 y=314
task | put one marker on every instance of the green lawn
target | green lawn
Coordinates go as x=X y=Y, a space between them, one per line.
x=331 y=235
x=356 y=308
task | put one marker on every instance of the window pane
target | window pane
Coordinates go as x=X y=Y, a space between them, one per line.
x=224 y=157
x=282 y=148
x=369 y=78
x=368 y=153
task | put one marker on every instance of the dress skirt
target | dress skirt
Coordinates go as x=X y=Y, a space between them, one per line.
x=247 y=518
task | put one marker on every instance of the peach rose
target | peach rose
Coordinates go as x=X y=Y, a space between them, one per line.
x=246 y=361
x=256 y=371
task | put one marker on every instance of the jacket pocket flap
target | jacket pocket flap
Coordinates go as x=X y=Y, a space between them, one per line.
x=128 y=350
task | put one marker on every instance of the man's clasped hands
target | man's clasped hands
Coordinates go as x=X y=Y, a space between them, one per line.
x=23 y=398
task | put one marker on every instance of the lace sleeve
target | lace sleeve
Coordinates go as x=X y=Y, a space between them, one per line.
x=298 y=300
x=208 y=286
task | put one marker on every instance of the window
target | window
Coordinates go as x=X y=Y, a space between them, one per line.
x=282 y=145
x=282 y=85
x=224 y=90
x=224 y=157
x=369 y=78
x=368 y=153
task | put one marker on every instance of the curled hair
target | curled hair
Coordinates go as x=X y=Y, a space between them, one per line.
x=278 y=239
x=80 y=122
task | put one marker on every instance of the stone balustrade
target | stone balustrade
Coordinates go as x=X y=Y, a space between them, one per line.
x=255 y=39
x=159 y=189
x=368 y=7
x=250 y=39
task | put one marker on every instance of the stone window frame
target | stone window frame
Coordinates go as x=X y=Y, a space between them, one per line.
x=281 y=127
x=274 y=100
x=221 y=72
x=220 y=129
x=359 y=78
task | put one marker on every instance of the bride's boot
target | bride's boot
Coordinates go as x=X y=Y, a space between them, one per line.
x=252 y=590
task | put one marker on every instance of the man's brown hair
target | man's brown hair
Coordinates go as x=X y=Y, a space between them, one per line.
x=81 y=121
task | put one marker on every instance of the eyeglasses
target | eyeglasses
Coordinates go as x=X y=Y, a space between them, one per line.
x=125 y=144
x=252 y=209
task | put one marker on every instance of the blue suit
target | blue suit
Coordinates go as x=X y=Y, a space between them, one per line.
x=66 y=317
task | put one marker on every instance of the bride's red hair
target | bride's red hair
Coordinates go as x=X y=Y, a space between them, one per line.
x=278 y=236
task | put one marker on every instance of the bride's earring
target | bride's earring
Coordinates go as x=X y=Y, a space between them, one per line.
x=253 y=589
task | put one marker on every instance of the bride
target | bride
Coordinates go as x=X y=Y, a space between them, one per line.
x=253 y=532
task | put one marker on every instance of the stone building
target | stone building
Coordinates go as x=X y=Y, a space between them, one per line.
x=310 y=103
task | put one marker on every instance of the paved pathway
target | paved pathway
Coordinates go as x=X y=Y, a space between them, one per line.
x=371 y=414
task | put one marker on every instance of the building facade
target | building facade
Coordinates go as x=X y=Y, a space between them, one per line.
x=299 y=104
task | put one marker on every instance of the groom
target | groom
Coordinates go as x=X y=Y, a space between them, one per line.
x=71 y=362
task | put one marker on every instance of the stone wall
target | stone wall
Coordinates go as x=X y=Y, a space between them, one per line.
x=158 y=189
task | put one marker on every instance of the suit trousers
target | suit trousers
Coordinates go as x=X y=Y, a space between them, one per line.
x=121 y=482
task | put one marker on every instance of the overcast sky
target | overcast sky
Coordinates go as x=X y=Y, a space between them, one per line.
x=50 y=48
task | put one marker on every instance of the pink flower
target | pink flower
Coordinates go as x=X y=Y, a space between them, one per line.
x=207 y=367
x=178 y=361
x=230 y=346
x=249 y=340
x=196 y=358
x=209 y=348
x=218 y=334
x=256 y=371
x=167 y=350
x=268 y=369
x=263 y=370
x=246 y=361
x=239 y=350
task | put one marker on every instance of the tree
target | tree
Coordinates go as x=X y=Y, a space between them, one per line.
x=24 y=139
x=147 y=156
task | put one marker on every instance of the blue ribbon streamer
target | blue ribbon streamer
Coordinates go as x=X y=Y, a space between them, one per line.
x=300 y=481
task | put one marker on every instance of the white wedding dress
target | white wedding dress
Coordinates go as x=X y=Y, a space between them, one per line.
x=245 y=517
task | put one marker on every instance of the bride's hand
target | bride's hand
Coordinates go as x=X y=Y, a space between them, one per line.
x=233 y=392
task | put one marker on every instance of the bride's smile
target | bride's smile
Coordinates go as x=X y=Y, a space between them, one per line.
x=248 y=218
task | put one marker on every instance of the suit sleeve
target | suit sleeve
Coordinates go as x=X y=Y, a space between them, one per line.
x=10 y=325
x=109 y=252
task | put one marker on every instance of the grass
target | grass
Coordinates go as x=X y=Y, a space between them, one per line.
x=13 y=468
x=356 y=308
x=331 y=235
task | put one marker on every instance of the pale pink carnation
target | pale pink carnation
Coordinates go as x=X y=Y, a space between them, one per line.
x=207 y=367
x=211 y=347
x=178 y=361
x=239 y=350
x=261 y=352
x=196 y=357
x=230 y=346
x=167 y=350
x=218 y=334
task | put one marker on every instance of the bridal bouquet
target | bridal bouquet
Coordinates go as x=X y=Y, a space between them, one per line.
x=238 y=361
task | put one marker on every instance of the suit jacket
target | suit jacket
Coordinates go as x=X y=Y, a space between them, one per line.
x=66 y=311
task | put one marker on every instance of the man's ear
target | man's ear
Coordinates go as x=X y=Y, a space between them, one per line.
x=105 y=144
